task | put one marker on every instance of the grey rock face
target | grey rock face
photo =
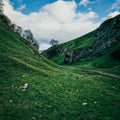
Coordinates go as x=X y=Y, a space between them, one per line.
x=51 y=52
x=107 y=34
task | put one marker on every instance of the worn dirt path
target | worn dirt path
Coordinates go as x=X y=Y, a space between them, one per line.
x=97 y=72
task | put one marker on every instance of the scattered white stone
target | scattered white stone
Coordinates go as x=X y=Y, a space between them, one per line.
x=84 y=103
x=24 y=87
x=33 y=118
x=77 y=90
x=95 y=102
x=11 y=101
x=113 y=87
x=12 y=86
x=23 y=76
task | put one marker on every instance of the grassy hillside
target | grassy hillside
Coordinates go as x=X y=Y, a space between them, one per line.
x=81 y=42
x=34 y=88
x=78 y=49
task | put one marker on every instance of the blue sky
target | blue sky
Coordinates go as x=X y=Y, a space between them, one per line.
x=63 y=20
x=31 y=5
x=99 y=6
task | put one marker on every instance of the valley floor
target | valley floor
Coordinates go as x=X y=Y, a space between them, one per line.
x=100 y=72
x=59 y=94
x=34 y=88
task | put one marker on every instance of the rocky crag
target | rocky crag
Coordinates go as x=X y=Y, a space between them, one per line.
x=105 y=37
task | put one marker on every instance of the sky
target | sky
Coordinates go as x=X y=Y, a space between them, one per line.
x=62 y=20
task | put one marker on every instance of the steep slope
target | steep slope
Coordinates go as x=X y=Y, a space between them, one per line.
x=34 y=88
x=95 y=48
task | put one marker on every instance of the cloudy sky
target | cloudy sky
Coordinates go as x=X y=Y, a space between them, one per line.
x=62 y=20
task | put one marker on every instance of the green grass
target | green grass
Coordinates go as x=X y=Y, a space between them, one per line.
x=106 y=59
x=81 y=42
x=78 y=43
x=58 y=59
x=105 y=63
x=54 y=92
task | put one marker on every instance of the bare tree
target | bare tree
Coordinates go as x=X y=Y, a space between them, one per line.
x=28 y=35
x=54 y=42
x=35 y=44
x=1 y=7
x=13 y=27
x=19 y=30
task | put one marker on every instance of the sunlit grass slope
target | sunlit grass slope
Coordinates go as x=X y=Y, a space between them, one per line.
x=108 y=59
x=80 y=42
x=97 y=62
x=34 y=88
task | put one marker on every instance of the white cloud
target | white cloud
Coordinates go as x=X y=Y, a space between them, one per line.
x=114 y=10
x=22 y=7
x=111 y=15
x=58 y=20
x=84 y=2
x=116 y=5
x=44 y=46
x=61 y=10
